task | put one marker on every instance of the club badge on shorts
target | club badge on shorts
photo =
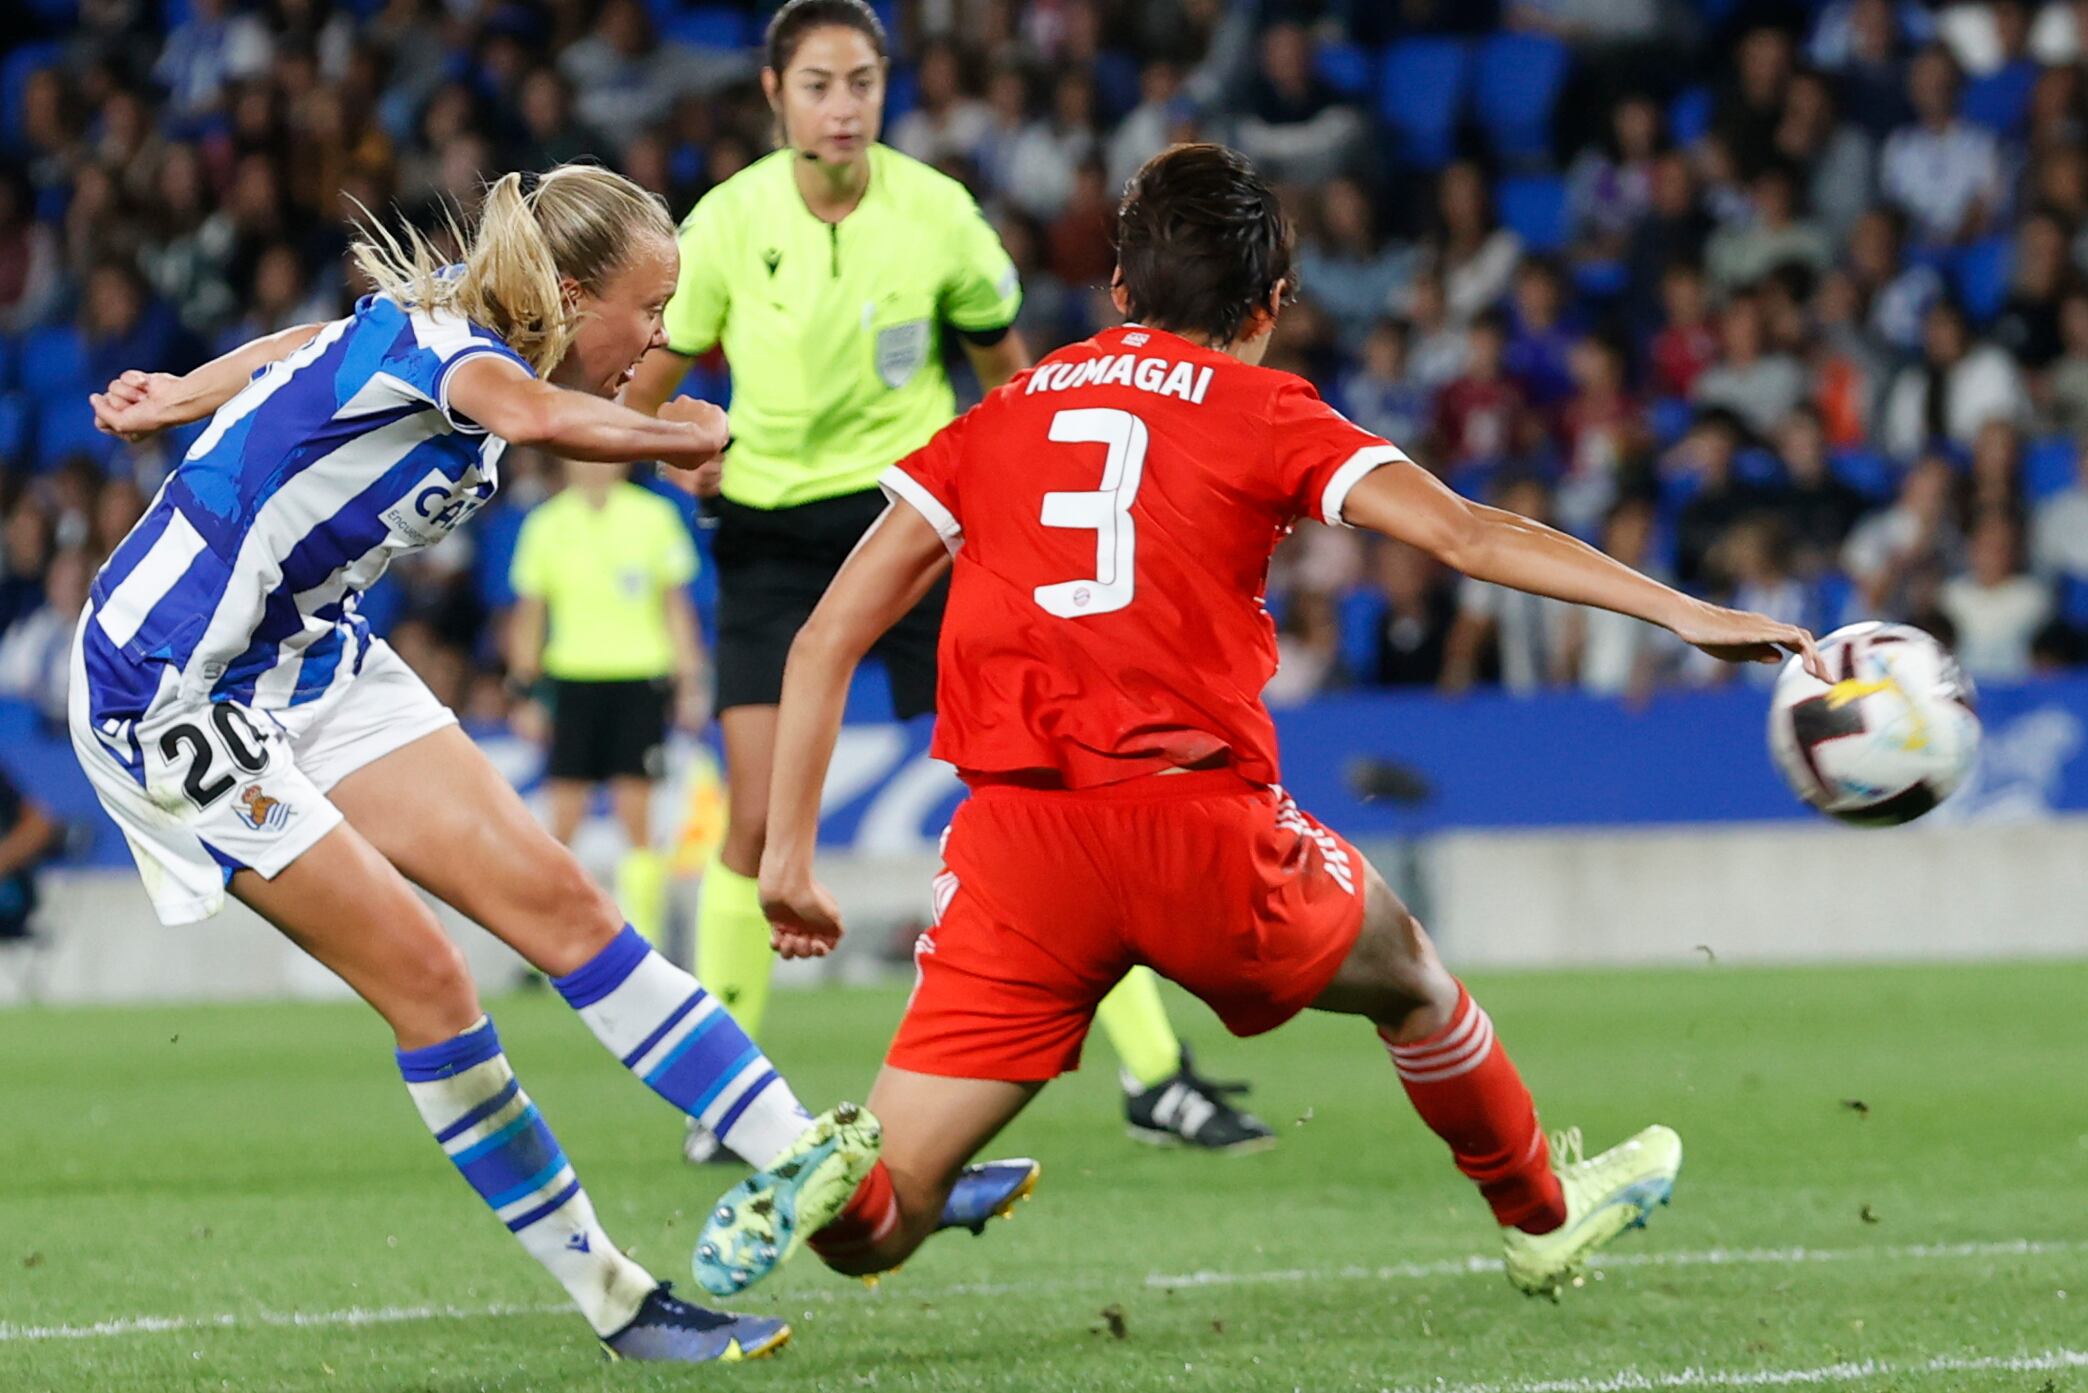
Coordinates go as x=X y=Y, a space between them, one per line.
x=261 y=812
x=901 y=349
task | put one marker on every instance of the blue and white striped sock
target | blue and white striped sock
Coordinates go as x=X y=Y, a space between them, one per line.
x=471 y=1102
x=677 y=1037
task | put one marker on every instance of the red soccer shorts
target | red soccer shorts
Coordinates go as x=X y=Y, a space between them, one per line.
x=1049 y=896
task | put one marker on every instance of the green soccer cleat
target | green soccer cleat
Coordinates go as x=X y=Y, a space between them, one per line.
x=762 y=1221
x=1605 y=1195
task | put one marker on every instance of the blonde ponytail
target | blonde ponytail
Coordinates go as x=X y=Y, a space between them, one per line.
x=578 y=220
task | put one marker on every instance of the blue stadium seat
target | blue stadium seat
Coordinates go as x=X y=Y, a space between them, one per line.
x=1830 y=598
x=54 y=362
x=709 y=26
x=14 y=432
x=1867 y=471
x=64 y=428
x=15 y=71
x=1981 y=271
x=1670 y=418
x=1759 y=467
x=1359 y=613
x=1533 y=206
x=2050 y=466
x=1689 y=115
x=1421 y=94
x=1345 y=67
x=1516 y=83
x=2073 y=599
x=2000 y=101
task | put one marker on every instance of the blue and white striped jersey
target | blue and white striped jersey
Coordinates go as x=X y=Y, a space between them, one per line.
x=242 y=579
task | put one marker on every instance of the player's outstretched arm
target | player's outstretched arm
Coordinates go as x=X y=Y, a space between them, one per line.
x=1407 y=503
x=894 y=565
x=138 y=404
x=522 y=410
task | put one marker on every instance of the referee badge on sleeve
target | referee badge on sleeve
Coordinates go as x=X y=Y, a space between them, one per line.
x=901 y=349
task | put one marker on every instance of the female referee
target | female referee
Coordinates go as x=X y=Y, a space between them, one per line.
x=248 y=734
x=828 y=270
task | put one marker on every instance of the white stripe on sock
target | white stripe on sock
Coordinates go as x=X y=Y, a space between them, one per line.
x=702 y=1012
x=1464 y=1063
x=1459 y=1034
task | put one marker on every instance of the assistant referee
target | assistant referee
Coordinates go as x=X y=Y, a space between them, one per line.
x=830 y=271
x=603 y=618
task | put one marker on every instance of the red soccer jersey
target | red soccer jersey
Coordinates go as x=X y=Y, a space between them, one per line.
x=1112 y=512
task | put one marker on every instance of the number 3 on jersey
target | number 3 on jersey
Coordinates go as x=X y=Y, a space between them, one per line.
x=1105 y=511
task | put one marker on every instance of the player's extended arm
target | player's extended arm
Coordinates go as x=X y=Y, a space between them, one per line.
x=898 y=559
x=137 y=404
x=1407 y=503
x=997 y=361
x=523 y=410
x=659 y=373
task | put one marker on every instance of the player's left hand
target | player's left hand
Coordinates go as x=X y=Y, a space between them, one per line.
x=804 y=919
x=136 y=405
x=1736 y=636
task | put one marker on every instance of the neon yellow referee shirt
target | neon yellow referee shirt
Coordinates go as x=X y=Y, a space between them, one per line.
x=831 y=329
x=604 y=575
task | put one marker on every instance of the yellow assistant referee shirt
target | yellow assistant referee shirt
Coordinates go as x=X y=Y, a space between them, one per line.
x=831 y=329
x=604 y=575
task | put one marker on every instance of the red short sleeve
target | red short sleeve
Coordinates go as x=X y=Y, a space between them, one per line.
x=926 y=481
x=1320 y=453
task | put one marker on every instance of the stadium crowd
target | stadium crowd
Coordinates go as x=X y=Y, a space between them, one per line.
x=1783 y=301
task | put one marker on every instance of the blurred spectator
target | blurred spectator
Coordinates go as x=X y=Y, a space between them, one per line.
x=1899 y=294
x=1437 y=345
x=1687 y=342
x=1420 y=608
x=1774 y=235
x=1846 y=361
x=1994 y=482
x=1610 y=186
x=551 y=132
x=36 y=650
x=1819 y=508
x=1754 y=565
x=1995 y=607
x=1615 y=654
x=1151 y=126
x=1083 y=236
x=1958 y=386
x=1757 y=385
x=29 y=258
x=1893 y=550
x=25 y=551
x=1703 y=465
x=948 y=122
x=2065 y=407
x=1469 y=249
x=1520 y=637
x=1308 y=650
x=1540 y=340
x=1381 y=395
x=1050 y=151
x=1345 y=266
x=1835 y=155
x=27 y=834
x=623 y=79
x=1295 y=126
x=1602 y=433
x=2042 y=277
x=2059 y=532
x=1673 y=233
x=1476 y=414
x=1941 y=170
x=1751 y=108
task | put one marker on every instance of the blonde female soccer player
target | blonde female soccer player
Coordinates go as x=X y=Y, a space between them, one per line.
x=250 y=735
x=829 y=271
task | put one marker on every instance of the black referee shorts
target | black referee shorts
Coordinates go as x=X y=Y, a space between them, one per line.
x=609 y=730
x=773 y=565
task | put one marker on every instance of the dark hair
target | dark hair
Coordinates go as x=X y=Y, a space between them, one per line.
x=800 y=17
x=1202 y=242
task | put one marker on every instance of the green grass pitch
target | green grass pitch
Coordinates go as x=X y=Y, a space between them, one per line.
x=251 y=1185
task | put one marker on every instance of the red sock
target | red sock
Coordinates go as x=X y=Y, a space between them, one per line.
x=871 y=1214
x=1466 y=1089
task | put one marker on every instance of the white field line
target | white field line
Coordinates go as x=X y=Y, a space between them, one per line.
x=1411 y=1271
x=1632 y=1381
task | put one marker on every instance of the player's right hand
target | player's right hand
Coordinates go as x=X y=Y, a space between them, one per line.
x=136 y=405
x=711 y=434
x=804 y=918
x=1738 y=636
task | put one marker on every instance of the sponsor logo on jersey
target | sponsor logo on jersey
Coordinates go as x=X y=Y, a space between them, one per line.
x=261 y=812
x=437 y=505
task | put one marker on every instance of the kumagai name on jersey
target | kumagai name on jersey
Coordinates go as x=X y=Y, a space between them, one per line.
x=242 y=579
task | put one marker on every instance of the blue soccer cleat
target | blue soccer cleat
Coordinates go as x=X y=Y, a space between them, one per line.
x=989 y=1190
x=763 y=1220
x=671 y=1331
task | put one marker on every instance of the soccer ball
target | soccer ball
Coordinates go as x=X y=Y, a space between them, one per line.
x=1892 y=736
